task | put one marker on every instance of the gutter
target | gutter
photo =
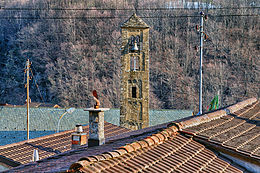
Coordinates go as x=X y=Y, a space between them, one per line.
x=9 y=162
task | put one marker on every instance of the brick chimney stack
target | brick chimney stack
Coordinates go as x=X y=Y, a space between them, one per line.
x=78 y=138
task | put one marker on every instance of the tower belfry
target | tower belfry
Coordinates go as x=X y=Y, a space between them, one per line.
x=134 y=109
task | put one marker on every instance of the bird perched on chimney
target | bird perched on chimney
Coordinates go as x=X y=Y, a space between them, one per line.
x=97 y=104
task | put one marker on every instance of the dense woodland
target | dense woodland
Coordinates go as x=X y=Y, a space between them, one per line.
x=74 y=47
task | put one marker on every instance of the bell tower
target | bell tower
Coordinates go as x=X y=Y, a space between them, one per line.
x=134 y=109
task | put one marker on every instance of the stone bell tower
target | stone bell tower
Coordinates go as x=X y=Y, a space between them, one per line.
x=134 y=109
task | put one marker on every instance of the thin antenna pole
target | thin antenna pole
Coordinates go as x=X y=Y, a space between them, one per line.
x=136 y=6
x=201 y=59
x=28 y=98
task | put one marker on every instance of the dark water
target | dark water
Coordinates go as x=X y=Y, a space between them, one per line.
x=9 y=137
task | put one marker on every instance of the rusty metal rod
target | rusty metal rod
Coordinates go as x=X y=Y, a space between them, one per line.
x=28 y=99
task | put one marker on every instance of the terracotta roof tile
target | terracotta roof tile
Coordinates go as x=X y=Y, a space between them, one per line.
x=136 y=146
x=169 y=131
x=206 y=126
x=167 y=165
x=128 y=148
x=176 y=153
x=175 y=161
x=222 y=128
x=156 y=139
x=232 y=133
x=243 y=138
x=149 y=141
x=134 y=165
x=251 y=112
x=160 y=167
x=256 y=152
x=244 y=104
x=233 y=169
x=116 y=168
x=160 y=136
x=187 y=168
x=143 y=144
x=121 y=151
x=165 y=134
x=237 y=131
x=90 y=169
x=193 y=163
x=251 y=145
x=217 y=166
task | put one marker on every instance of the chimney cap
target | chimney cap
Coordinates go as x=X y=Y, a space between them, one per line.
x=79 y=128
x=97 y=110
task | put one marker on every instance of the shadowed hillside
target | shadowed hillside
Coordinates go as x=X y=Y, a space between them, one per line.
x=75 y=48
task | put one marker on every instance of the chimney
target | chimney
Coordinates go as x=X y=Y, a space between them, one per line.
x=96 y=126
x=78 y=138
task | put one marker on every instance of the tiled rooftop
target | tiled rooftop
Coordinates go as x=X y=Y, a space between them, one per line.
x=176 y=147
x=21 y=153
x=238 y=131
x=61 y=162
x=169 y=151
x=156 y=154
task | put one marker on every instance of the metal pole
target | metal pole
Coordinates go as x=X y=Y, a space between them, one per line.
x=28 y=98
x=69 y=111
x=201 y=56
x=58 y=126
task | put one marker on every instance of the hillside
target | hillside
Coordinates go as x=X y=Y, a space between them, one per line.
x=75 y=48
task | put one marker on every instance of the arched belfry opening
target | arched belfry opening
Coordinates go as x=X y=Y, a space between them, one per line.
x=134 y=110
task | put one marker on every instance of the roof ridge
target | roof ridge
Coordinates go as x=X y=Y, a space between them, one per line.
x=241 y=105
x=217 y=114
x=149 y=141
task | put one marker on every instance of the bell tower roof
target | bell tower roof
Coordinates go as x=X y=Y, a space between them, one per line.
x=134 y=22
